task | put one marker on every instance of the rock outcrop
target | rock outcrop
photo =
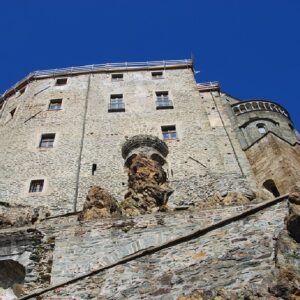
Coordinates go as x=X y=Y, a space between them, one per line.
x=287 y=252
x=218 y=201
x=14 y=215
x=148 y=189
x=99 y=204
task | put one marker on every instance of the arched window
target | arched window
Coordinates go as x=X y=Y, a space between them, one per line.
x=271 y=187
x=261 y=128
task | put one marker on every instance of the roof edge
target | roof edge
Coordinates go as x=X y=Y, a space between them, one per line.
x=98 y=68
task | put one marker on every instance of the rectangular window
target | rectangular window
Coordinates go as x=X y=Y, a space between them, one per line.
x=47 y=140
x=55 y=104
x=163 y=101
x=61 y=81
x=169 y=132
x=157 y=75
x=116 y=103
x=116 y=77
x=36 y=186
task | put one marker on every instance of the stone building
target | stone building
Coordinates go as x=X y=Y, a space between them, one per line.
x=65 y=130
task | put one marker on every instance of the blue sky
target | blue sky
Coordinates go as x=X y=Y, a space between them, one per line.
x=251 y=47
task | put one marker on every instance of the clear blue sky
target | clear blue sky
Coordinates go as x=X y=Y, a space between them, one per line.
x=251 y=47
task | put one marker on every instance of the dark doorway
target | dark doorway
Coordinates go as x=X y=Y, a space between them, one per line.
x=271 y=187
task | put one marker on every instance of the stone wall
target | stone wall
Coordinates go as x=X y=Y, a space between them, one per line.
x=237 y=257
x=86 y=134
x=275 y=159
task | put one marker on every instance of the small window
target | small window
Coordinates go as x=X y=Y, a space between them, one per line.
x=36 y=186
x=116 y=103
x=55 y=104
x=12 y=112
x=157 y=75
x=116 y=77
x=47 y=140
x=61 y=81
x=290 y=125
x=162 y=96
x=261 y=128
x=163 y=101
x=169 y=132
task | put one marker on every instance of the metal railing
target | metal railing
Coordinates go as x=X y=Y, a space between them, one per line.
x=258 y=105
x=160 y=104
x=116 y=106
x=208 y=86
x=100 y=67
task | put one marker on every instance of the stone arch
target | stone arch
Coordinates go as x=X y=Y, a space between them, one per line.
x=271 y=187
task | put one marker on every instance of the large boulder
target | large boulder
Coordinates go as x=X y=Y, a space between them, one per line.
x=99 y=203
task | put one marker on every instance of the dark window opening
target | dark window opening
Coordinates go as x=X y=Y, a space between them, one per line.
x=157 y=75
x=117 y=77
x=12 y=112
x=261 y=128
x=290 y=125
x=271 y=187
x=47 y=140
x=61 y=81
x=36 y=186
x=169 y=132
x=94 y=168
x=55 y=104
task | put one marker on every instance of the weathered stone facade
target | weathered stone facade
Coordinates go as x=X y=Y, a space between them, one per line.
x=143 y=186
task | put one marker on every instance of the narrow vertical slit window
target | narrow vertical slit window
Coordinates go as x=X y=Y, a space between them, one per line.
x=94 y=169
x=12 y=112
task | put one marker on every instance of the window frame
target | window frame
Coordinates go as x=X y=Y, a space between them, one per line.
x=116 y=103
x=35 y=187
x=52 y=101
x=115 y=77
x=168 y=132
x=63 y=80
x=46 y=141
x=163 y=100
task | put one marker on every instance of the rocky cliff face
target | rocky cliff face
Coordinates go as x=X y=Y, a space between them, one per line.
x=148 y=189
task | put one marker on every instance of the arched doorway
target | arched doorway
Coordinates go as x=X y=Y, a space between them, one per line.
x=271 y=187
